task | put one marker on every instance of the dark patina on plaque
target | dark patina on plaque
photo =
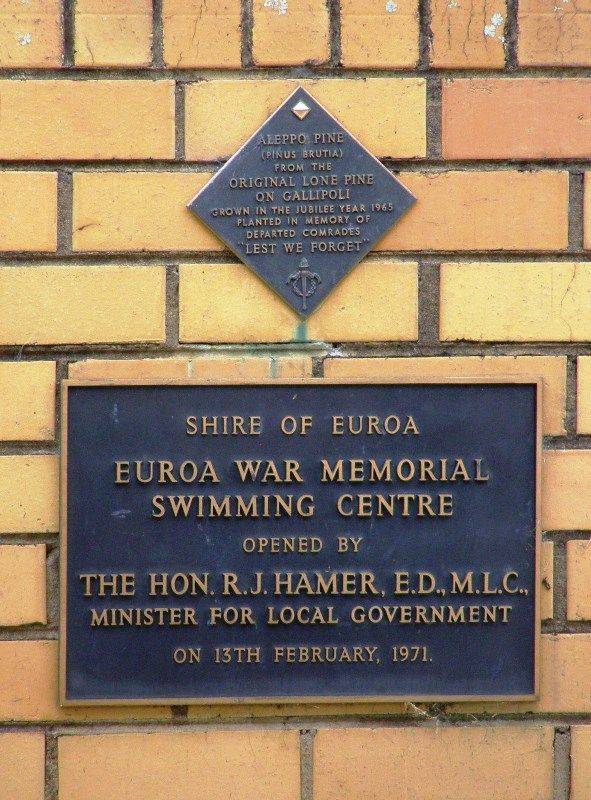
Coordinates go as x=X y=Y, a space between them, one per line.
x=301 y=202
x=321 y=542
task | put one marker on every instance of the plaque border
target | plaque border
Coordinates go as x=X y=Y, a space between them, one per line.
x=534 y=380
x=241 y=257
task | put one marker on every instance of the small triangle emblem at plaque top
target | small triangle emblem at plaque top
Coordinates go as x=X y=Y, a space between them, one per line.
x=301 y=110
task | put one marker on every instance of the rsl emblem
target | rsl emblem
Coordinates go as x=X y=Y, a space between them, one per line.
x=304 y=282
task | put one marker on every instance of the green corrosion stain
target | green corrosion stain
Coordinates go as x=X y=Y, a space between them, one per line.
x=274 y=368
x=301 y=333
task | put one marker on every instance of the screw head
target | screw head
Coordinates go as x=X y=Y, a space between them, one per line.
x=301 y=110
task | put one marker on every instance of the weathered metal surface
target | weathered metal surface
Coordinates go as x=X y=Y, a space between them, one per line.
x=301 y=202
x=347 y=541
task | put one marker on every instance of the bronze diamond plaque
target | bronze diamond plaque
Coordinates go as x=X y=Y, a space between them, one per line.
x=301 y=202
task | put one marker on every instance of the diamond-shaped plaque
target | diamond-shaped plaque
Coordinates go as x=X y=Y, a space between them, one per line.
x=301 y=202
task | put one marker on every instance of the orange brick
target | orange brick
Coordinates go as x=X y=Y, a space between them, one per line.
x=22 y=584
x=504 y=210
x=524 y=302
x=580 y=759
x=379 y=36
x=578 y=579
x=199 y=35
x=566 y=490
x=287 y=32
x=29 y=688
x=552 y=369
x=547 y=580
x=27 y=400
x=587 y=211
x=396 y=106
x=107 y=215
x=477 y=761
x=516 y=118
x=102 y=119
x=554 y=33
x=28 y=494
x=113 y=33
x=77 y=304
x=564 y=680
x=468 y=34
x=22 y=766
x=584 y=394
x=247 y=764
x=30 y=33
x=28 y=208
x=205 y=368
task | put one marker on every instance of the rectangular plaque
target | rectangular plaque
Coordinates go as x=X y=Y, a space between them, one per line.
x=311 y=541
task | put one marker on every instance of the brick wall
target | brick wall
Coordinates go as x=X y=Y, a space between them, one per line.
x=112 y=113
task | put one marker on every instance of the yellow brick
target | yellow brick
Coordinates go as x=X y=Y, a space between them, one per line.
x=22 y=766
x=564 y=680
x=552 y=369
x=229 y=303
x=204 y=368
x=129 y=369
x=28 y=494
x=580 y=759
x=246 y=310
x=232 y=713
x=379 y=36
x=520 y=211
x=566 y=490
x=102 y=119
x=468 y=35
x=274 y=368
x=69 y=304
x=199 y=35
x=116 y=33
x=22 y=584
x=30 y=33
x=578 y=579
x=28 y=209
x=27 y=400
x=547 y=580
x=212 y=765
x=108 y=216
x=29 y=688
x=277 y=368
x=523 y=302
x=396 y=107
x=288 y=32
x=477 y=761
x=483 y=210
x=584 y=394
x=376 y=301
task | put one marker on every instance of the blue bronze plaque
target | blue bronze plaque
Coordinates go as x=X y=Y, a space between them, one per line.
x=302 y=541
x=301 y=202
